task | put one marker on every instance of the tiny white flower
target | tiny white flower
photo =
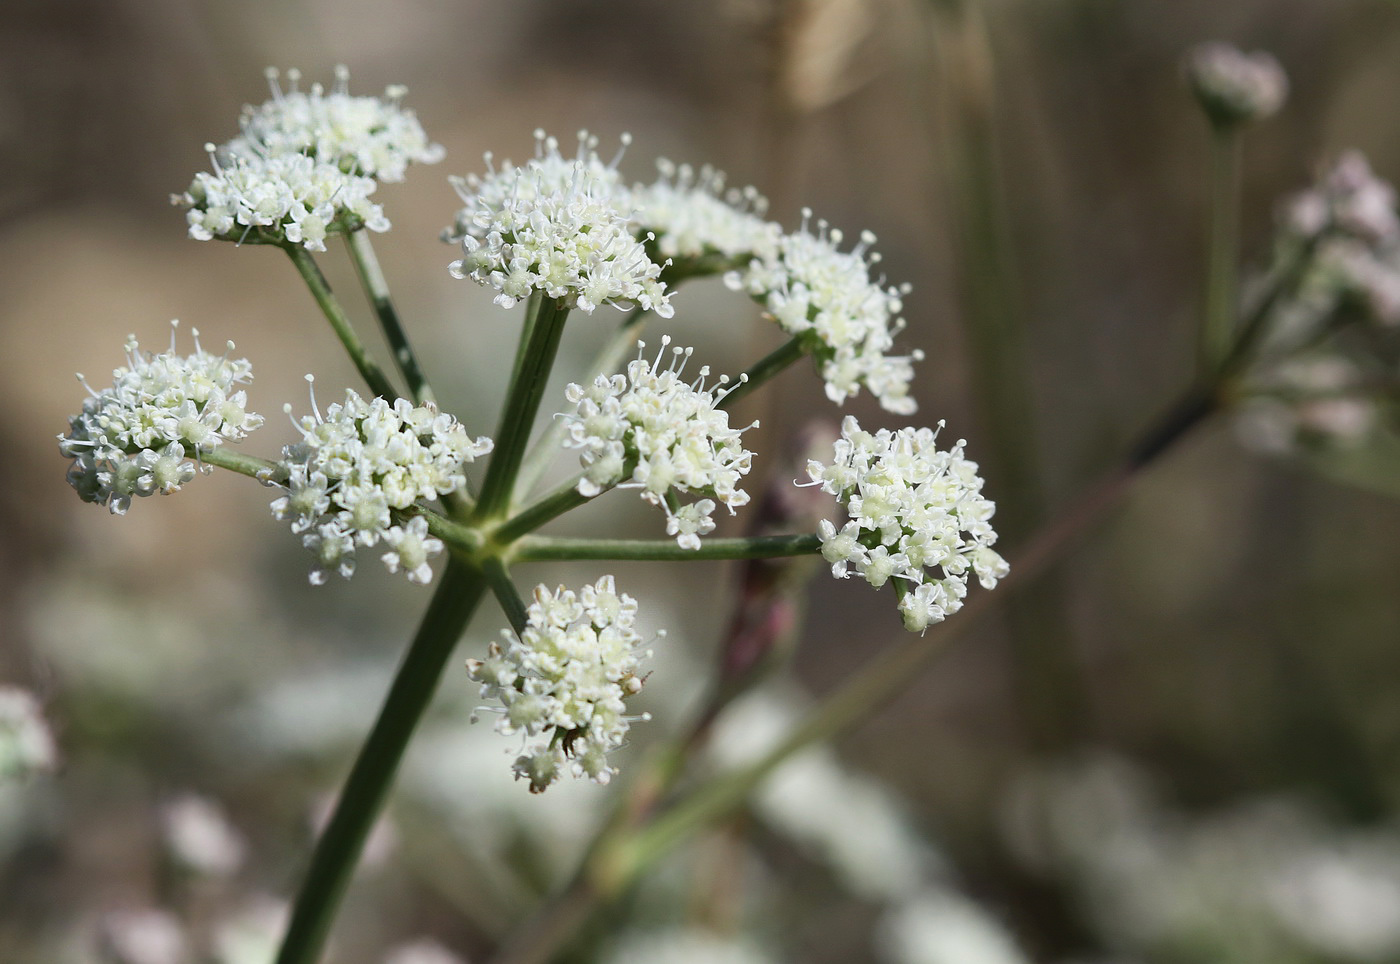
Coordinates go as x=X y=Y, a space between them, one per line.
x=813 y=289
x=138 y=437
x=559 y=226
x=26 y=742
x=651 y=430
x=358 y=468
x=563 y=683
x=916 y=514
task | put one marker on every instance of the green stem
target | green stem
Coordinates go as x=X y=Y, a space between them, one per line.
x=1223 y=250
x=373 y=375
x=377 y=290
x=338 y=849
x=545 y=327
x=542 y=548
x=498 y=576
x=551 y=506
x=606 y=361
x=768 y=366
x=465 y=539
x=250 y=465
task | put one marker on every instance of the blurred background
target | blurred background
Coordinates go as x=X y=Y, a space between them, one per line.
x=1182 y=747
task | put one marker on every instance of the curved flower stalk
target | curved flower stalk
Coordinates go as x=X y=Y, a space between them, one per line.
x=916 y=515
x=663 y=436
x=556 y=227
x=143 y=435
x=825 y=297
x=564 y=680
x=358 y=468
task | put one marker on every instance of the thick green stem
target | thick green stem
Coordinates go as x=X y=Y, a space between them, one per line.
x=362 y=799
x=768 y=366
x=551 y=506
x=373 y=375
x=606 y=362
x=545 y=548
x=1223 y=249
x=545 y=327
x=377 y=290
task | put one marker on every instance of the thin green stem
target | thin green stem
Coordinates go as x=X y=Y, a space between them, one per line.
x=1223 y=250
x=536 y=359
x=465 y=539
x=551 y=506
x=768 y=366
x=542 y=548
x=606 y=361
x=250 y=465
x=498 y=577
x=373 y=375
x=362 y=799
x=377 y=290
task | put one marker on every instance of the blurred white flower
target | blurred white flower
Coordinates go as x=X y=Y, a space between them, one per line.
x=147 y=936
x=1234 y=86
x=941 y=927
x=684 y=946
x=26 y=742
x=199 y=836
x=423 y=951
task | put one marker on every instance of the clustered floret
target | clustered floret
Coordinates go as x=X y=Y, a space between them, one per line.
x=556 y=227
x=665 y=436
x=565 y=679
x=137 y=438
x=373 y=136
x=305 y=167
x=695 y=218
x=1234 y=86
x=26 y=743
x=279 y=198
x=916 y=513
x=358 y=468
x=815 y=290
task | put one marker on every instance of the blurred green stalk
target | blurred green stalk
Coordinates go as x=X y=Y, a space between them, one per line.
x=1046 y=678
x=1223 y=248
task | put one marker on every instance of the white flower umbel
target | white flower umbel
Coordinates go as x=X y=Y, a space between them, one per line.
x=916 y=514
x=564 y=682
x=695 y=218
x=556 y=226
x=138 y=437
x=356 y=470
x=813 y=289
x=1348 y=200
x=372 y=136
x=662 y=435
x=277 y=199
x=26 y=743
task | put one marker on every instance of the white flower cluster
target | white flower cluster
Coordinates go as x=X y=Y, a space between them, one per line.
x=1348 y=200
x=199 y=837
x=137 y=437
x=664 y=436
x=372 y=136
x=916 y=514
x=279 y=198
x=564 y=682
x=694 y=217
x=359 y=464
x=556 y=226
x=305 y=167
x=26 y=743
x=812 y=288
x=1234 y=86
x=1316 y=400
